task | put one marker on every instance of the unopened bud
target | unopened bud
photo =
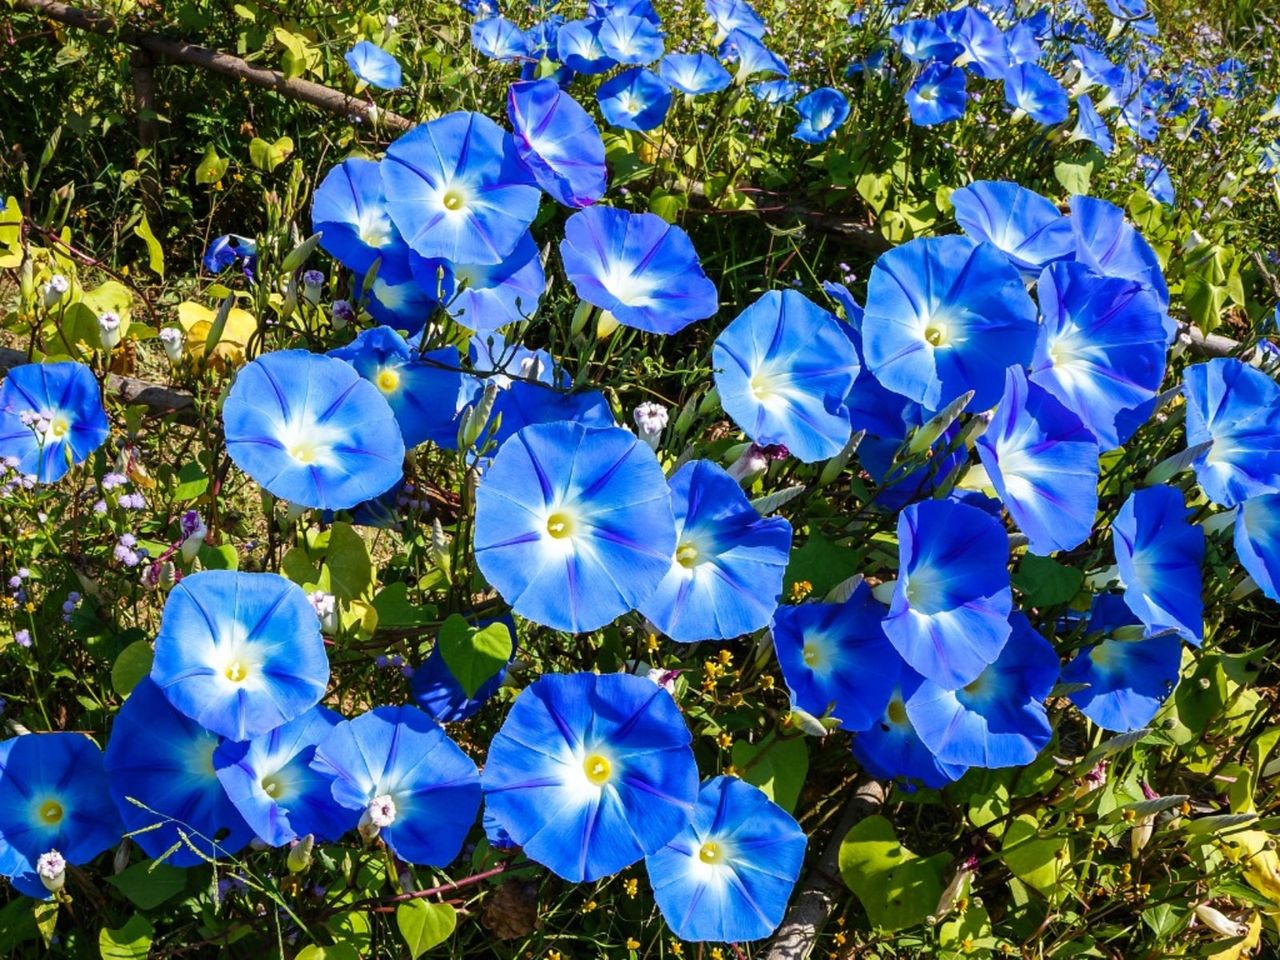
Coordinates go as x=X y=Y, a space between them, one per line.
x=1219 y=922
x=52 y=870
x=110 y=329
x=299 y=858
x=173 y=340
x=651 y=419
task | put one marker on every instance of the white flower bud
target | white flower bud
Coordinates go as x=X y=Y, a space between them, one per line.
x=380 y=813
x=52 y=869
x=110 y=330
x=55 y=289
x=1219 y=922
x=173 y=340
x=651 y=419
x=326 y=608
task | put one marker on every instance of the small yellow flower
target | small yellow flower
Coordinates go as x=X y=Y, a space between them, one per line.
x=766 y=682
x=631 y=885
x=633 y=943
x=725 y=740
x=800 y=590
x=840 y=938
x=726 y=657
x=589 y=906
x=677 y=948
x=730 y=770
x=651 y=644
x=717 y=953
x=29 y=607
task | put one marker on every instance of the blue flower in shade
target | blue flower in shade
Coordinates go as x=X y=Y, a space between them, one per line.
x=1159 y=554
x=1128 y=678
x=1236 y=409
x=591 y=772
x=877 y=453
x=1257 y=539
x=272 y=783
x=949 y=616
x=694 y=73
x=999 y=719
x=1023 y=225
x=630 y=8
x=558 y=142
x=726 y=573
x=728 y=874
x=1091 y=127
x=937 y=95
x=499 y=39
x=890 y=749
x=1096 y=70
x=835 y=656
x=406 y=306
x=981 y=41
x=240 y=653
x=51 y=417
x=1101 y=347
x=1030 y=88
x=731 y=15
x=408 y=782
x=641 y=269
x=1107 y=244
x=751 y=56
x=944 y=316
x=578 y=44
x=52 y=791
x=230 y=249
x=312 y=431
x=630 y=40
x=374 y=66
x=349 y=211
x=922 y=41
x=160 y=773
x=543 y=44
x=635 y=99
x=1021 y=45
x=822 y=113
x=784 y=369
x=483 y=298
x=774 y=92
x=426 y=392
x=457 y=190
x=1043 y=463
x=437 y=691
x=1156 y=179
x=574 y=525
x=522 y=404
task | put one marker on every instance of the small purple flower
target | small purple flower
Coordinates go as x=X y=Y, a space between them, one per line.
x=23 y=638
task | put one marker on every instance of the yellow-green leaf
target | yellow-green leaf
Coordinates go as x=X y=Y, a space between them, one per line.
x=155 y=253
x=425 y=925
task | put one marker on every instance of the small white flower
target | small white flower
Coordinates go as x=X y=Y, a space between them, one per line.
x=651 y=419
x=173 y=340
x=380 y=813
x=110 y=329
x=326 y=608
x=55 y=289
x=52 y=868
x=392 y=21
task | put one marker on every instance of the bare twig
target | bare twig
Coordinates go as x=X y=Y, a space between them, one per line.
x=822 y=886
x=318 y=95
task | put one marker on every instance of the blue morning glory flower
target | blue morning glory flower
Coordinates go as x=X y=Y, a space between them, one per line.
x=822 y=113
x=1257 y=539
x=997 y=720
x=591 y=772
x=374 y=66
x=726 y=573
x=437 y=691
x=774 y=92
x=1021 y=45
x=630 y=40
x=784 y=369
x=349 y=211
x=937 y=95
x=922 y=41
x=240 y=653
x=1096 y=70
x=728 y=874
x=1101 y=348
x=641 y=269
x=946 y=315
x=694 y=73
x=1043 y=463
x=1236 y=408
x=731 y=15
x=1033 y=90
x=426 y=392
x=1024 y=226
x=230 y=249
x=835 y=656
x=159 y=765
x=1091 y=127
x=579 y=47
x=982 y=42
x=1159 y=554
x=407 y=305
x=629 y=8
x=1108 y=244
x=51 y=417
x=457 y=191
x=272 y=783
x=483 y=298
x=499 y=39
x=635 y=99
x=890 y=749
x=751 y=56
x=574 y=525
x=523 y=404
x=311 y=431
x=408 y=783
x=53 y=790
x=558 y=142
x=949 y=616
x=1156 y=180
x=1128 y=678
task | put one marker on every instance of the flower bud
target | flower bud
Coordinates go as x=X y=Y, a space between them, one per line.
x=193 y=533
x=342 y=313
x=312 y=285
x=110 y=329
x=55 y=289
x=173 y=340
x=52 y=870
x=1219 y=922
x=299 y=858
x=651 y=419
x=326 y=608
